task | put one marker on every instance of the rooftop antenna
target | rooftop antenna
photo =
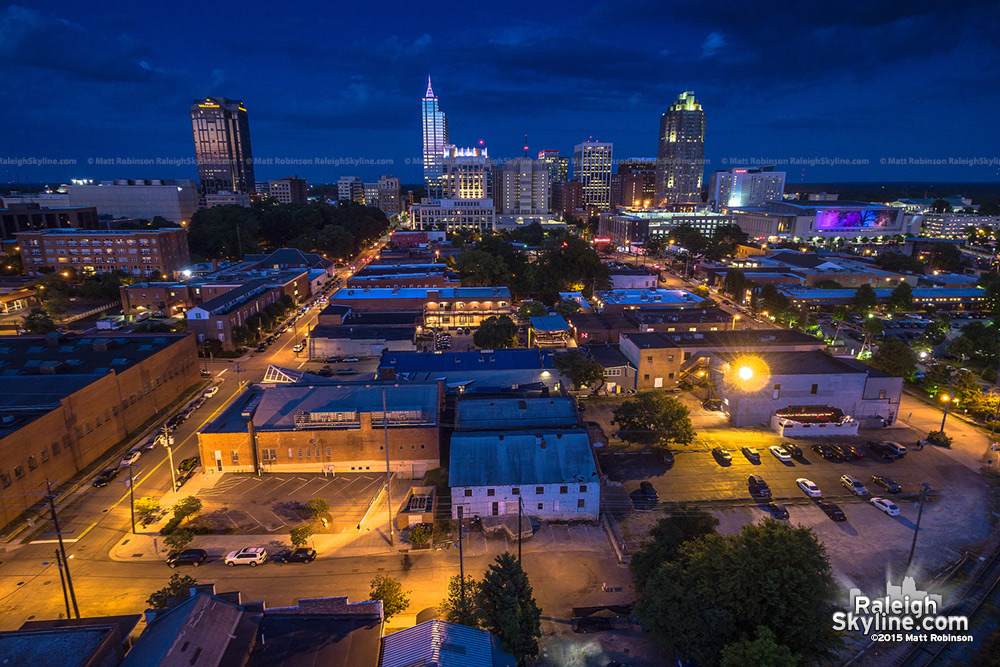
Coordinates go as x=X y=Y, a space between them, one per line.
x=526 y=145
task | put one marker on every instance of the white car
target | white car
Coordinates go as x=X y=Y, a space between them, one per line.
x=780 y=453
x=131 y=457
x=252 y=556
x=811 y=489
x=885 y=505
x=210 y=392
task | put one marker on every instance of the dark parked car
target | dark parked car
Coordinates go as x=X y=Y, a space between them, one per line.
x=324 y=372
x=885 y=451
x=792 y=449
x=649 y=493
x=665 y=456
x=174 y=422
x=332 y=360
x=839 y=451
x=193 y=557
x=886 y=483
x=854 y=451
x=827 y=453
x=758 y=487
x=301 y=555
x=832 y=510
x=188 y=464
x=721 y=455
x=777 y=511
x=106 y=476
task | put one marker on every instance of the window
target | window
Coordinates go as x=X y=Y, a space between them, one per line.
x=516 y=491
x=649 y=359
x=539 y=490
x=5 y=479
x=19 y=471
x=815 y=387
x=491 y=492
x=44 y=454
x=581 y=504
x=881 y=394
x=583 y=488
x=468 y=493
x=300 y=452
x=55 y=447
x=328 y=452
x=32 y=463
x=563 y=489
x=541 y=506
x=289 y=452
x=646 y=376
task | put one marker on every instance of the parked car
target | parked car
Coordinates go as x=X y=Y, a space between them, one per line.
x=721 y=455
x=193 y=557
x=105 y=477
x=210 y=392
x=832 y=510
x=188 y=464
x=792 y=449
x=205 y=373
x=839 y=451
x=332 y=360
x=886 y=483
x=854 y=451
x=751 y=453
x=300 y=555
x=777 y=511
x=131 y=457
x=897 y=449
x=351 y=360
x=252 y=556
x=827 y=453
x=780 y=454
x=665 y=456
x=809 y=487
x=174 y=422
x=298 y=347
x=347 y=371
x=649 y=493
x=261 y=347
x=758 y=487
x=323 y=372
x=886 y=451
x=885 y=505
x=853 y=485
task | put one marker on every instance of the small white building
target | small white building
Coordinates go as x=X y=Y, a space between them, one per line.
x=551 y=472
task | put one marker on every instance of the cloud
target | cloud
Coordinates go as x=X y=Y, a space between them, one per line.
x=712 y=44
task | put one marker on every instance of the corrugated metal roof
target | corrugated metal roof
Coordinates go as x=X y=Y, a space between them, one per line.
x=280 y=403
x=512 y=457
x=442 y=644
x=549 y=323
x=474 y=360
x=507 y=413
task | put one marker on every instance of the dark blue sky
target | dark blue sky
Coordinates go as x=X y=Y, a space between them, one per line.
x=788 y=79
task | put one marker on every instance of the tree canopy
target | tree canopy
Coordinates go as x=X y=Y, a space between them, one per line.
x=901 y=298
x=653 y=417
x=507 y=608
x=394 y=599
x=894 y=357
x=864 y=299
x=581 y=370
x=495 y=333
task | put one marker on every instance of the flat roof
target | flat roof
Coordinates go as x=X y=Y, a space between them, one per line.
x=450 y=293
x=803 y=292
x=608 y=356
x=746 y=338
x=513 y=458
x=490 y=412
x=471 y=360
x=809 y=363
x=549 y=323
x=66 y=646
x=363 y=332
x=308 y=640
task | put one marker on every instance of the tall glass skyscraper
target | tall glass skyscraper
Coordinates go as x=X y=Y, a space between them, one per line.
x=222 y=145
x=435 y=124
x=680 y=159
x=592 y=167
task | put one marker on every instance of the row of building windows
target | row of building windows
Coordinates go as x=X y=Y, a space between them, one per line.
x=33 y=461
x=516 y=491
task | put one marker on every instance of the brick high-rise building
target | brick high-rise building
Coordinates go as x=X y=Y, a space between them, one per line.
x=567 y=198
x=137 y=253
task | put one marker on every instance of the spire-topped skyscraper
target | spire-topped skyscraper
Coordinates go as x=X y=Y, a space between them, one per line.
x=435 y=124
x=680 y=160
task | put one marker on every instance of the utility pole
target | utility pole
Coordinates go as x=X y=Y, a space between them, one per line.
x=170 y=456
x=916 y=530
x=520 y=506
x=947 y=402
x=461 y=561
x=131 y=496
x=388 y=474
x=62 y=580
x=62 y=547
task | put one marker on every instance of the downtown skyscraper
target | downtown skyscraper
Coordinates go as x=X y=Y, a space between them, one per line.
x=435 y=127
x=680 y=159
x=592 y=167
x=221 y=130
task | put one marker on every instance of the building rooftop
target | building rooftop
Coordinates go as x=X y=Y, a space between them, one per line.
x=638 y=297
x=73 y=231
x=364 y=331
x=513 y=458
x=424 y=293
x=803 y=292
x=808 y=363
x=80 y=643
x=746 y=338
x=490 y=412
x=472 y=360
x=549 y=323
x=442 y=644
x=312 y=640
x=608 y=356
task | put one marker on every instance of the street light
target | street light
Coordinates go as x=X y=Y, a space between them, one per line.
x=735 y=317
x=745 y=373
x=947 y=400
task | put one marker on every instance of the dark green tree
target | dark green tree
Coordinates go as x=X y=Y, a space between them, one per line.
x=864 y=300
x=581 y=370
x=653 y=417
x=990 y=282
x=531 y=309
x=479 y=268
x=567 y=307
x=179 y=587
x=455 y=608
x=901 y=298
x=38 y=322
x=946 y=256
x=689 y=238
x=764 y=649
x=978 y=341
x=394 y=599
x=941 y=206
x=681 y=523
x=508 y=610
x=186 y=506
x=570 y=263
x=894 y=357
x=773 y=302
x=724 y=241
x=698 y=604
x=894 y=261
x=736 y=284
x=495 y=333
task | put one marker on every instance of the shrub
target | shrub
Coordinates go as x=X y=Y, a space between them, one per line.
x=939 y=438
x=420 y=534
x=300 y=536
x=185 y=507
x=171 y=525
x=317 y=506
x=179 y=538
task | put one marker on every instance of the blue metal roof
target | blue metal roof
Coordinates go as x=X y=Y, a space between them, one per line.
x=442 y=644
x=549 y=323
x=513 y=458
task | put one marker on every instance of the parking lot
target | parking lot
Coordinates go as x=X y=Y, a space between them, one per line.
x=252 y=505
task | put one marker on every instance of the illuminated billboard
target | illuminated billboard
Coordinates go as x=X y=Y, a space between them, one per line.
x=877 y=219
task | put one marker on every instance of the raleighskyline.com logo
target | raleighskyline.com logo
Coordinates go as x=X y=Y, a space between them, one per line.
x=903 y=614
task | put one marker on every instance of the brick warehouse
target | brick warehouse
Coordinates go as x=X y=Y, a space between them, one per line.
x=327 y=427
x=67 y=400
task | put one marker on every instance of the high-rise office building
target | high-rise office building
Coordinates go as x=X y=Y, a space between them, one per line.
x=222 y=145
x=558 y=167
x=592 y=167
x=371 y=194
x=567 y=198
x=522 y=187
x=388 y=194
x=465 y=173
x=745 y=187
x=680 y=159
x=435 y=127
x=646 y=168
x=288 y=190
x=350 y=188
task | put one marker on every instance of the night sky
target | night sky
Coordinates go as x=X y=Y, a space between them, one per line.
x=788 y=79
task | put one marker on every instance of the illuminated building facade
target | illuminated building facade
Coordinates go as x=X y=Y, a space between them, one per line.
x=745 y=187
x=222 y=145
x=680 y=159
x=464 y=173
x=592 y=168
x=435 y=127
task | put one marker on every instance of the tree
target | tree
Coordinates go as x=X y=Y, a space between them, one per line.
x=724 y=241
x=680 y=524
x=901 y=298
x=978 y=341
x=495 y=333
x=736 y=284
x=895 y=261
x=894 y=357
x=531 y=309
x=455 y=609
x=185 y=507
x=689 y=238
x=300 y=536
x=179 y=538
x=946 y=256
x=317 y=507
x=764 y=650
x=478 y=268
x=652 y=417
x=38 y=322
x=990 y=282
x=178 y=587
x=941 y=206
x=147 y=508
x=507 y=608
x=394 y=599
x=567 y=307
x=697 y=604
x=581 y=370
x=420 y=535
x=701 y=291
x=773 y=302
x=864 y=300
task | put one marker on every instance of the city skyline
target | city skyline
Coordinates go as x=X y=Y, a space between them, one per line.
x=112 y=90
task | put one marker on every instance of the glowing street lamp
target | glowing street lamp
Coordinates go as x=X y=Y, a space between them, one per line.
x=745 y=373
x=735 y=317
x=947 y=400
